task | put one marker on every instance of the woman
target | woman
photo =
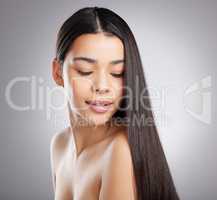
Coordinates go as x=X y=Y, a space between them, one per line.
x=106 y=153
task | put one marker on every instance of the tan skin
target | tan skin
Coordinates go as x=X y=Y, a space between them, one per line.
x=92 y=162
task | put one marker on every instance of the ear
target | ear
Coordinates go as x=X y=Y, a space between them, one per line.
x=57 y=72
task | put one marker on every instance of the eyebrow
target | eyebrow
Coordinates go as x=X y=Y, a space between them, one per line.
x=93 y=61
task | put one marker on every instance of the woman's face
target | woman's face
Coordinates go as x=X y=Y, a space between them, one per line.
x=93 y=71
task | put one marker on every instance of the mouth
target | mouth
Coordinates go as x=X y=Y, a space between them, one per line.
x=99 y=102
x=99 y=106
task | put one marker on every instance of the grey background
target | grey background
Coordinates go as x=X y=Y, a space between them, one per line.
x=178 y=46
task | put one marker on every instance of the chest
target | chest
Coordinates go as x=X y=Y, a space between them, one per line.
x=78 y=182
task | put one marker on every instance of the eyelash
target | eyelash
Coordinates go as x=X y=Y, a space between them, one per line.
x=88 y=73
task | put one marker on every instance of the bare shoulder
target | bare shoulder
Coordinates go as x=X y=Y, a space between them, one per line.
x=118 y=177
x=59 y=139
x=58 y=145
x=119 y=146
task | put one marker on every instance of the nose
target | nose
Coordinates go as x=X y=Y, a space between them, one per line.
x=101 y=90
x=101 y=85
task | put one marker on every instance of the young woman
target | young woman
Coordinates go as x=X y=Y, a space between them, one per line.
x=107 y=152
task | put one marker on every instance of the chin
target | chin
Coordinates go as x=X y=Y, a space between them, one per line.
x=98 y=120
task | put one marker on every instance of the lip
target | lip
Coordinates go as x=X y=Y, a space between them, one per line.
x=100 y=102
x=99 y=106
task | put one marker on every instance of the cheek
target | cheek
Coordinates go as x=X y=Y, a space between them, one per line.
x=118 y=89
x=120 y=86
x=80 y=88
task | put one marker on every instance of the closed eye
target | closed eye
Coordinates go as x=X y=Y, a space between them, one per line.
x=118 y=75
x=88 y=73
x=84 y=73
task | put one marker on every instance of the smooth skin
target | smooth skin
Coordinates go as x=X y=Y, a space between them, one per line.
x=92 y=162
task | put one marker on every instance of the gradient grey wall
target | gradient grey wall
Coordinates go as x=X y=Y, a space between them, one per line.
x=178 y=46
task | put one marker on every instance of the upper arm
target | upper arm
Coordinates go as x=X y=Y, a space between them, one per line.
x=118 y=181
x=53 y=160
x=56 y=150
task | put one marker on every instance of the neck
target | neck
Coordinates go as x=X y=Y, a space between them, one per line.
x=84 y=136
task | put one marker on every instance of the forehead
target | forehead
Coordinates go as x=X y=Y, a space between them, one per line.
x=98 y=46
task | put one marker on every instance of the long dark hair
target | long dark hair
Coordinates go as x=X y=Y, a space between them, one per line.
x=153 y=178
